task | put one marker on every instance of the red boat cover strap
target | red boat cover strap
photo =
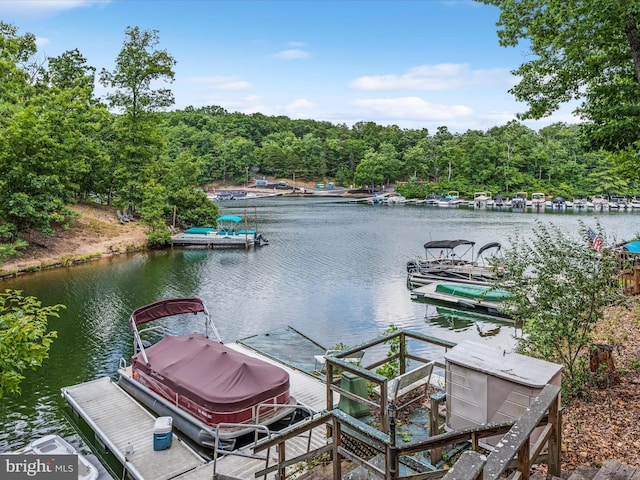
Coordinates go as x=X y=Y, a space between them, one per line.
x=165 y=308
x=211 y=374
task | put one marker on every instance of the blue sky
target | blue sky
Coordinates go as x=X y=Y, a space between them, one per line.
x=415 y=64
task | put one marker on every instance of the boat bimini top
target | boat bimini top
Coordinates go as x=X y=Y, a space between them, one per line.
x=168 y=308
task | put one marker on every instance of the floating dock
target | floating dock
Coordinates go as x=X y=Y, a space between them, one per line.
x=453 y=293
x=216 y=240
x=125 y=428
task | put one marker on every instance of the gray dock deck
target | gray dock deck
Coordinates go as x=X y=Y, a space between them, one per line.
x=118 y=421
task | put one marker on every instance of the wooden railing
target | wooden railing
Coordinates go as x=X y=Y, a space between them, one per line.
x=630 y=280
x=344 y=431
x=336 y=363
x=514 y=451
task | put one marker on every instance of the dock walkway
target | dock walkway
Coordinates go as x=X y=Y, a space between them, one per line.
x=121 y=424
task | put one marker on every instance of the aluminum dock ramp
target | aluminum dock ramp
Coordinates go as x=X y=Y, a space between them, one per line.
x=121 y=424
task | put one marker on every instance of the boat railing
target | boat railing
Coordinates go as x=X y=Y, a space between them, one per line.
x=216 y=451
x=258 y=430
x=152 y=331
x=122 y=364
x=274 y=406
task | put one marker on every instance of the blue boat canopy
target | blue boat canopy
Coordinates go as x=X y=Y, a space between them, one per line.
x=229 y=218
x=632 y=247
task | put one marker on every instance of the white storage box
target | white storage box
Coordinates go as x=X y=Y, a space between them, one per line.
x=162 y=433
x=487 y=384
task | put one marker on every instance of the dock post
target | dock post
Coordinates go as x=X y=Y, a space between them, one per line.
x=337 y=458
x=555 y=440
x=435 y=454
x=393 y=454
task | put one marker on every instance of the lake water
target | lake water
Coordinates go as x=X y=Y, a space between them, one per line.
x=334 y=270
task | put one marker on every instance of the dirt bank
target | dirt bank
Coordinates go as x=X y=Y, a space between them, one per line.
x=94 y=233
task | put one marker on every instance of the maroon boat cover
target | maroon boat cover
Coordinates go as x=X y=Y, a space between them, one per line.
x=165 y=308
x=213 y=375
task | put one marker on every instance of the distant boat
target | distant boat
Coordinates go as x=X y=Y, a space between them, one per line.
x=453 y=260
x=432 y=200
x=451 y=199
x=599 y=202
x=482 y=200
x=519 y=202
x=501 y=202
x=395 y=199
x=56 y=445
x=558 y=203
x=538 y=200
x=619 y=202
x=580 y=203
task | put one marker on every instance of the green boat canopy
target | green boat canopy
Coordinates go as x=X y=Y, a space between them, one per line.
x=475 y=292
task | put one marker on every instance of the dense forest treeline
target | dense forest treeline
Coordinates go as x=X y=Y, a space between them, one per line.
x=61 y=144
x=232 y=147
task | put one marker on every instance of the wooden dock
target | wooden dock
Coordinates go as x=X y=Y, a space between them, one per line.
x=120 y=423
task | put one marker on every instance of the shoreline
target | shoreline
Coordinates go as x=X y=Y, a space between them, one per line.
x=95 y=233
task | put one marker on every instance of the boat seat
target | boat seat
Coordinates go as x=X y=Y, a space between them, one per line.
x=321 y=360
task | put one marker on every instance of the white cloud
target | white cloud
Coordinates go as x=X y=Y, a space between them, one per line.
x=413 y=108
x=40 y=8
x=221 y=83
x=291 y=54
x=499 y=117
x=444 y=76
x=298 y=107
x=41 y=41
x=301 y=103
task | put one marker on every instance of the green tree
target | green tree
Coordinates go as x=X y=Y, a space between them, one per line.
x=180 y=179
x=587 y=50
x=24 y=339
x=15 y=52
x=139 y=66
x=370 y=170
x=391 y=164
x=559 y=288
x=153 y=214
